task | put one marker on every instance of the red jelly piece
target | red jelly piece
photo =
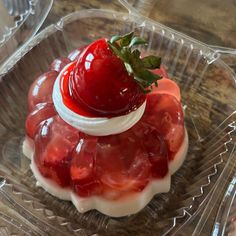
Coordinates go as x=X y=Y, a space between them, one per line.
x=41 y=90
x=54 y=144
x=41 y=112
x=165 y=112
x=82 y=170
x=122 y=162
x=155 y=146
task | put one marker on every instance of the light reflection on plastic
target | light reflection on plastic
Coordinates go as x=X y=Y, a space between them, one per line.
x=2 y=181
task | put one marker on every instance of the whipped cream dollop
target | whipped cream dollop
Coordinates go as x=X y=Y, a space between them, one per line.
x=99 y=126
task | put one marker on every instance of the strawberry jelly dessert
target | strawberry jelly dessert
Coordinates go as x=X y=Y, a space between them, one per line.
x=105 y=127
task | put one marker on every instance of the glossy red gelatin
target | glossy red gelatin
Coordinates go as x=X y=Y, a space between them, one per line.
x=110 y=166
x=41 y=89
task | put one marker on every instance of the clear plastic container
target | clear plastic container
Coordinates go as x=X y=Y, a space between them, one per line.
x=208 y=88
x=20 y=20
x=225 y=222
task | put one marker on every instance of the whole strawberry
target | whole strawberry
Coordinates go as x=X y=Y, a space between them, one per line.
x=110 y=78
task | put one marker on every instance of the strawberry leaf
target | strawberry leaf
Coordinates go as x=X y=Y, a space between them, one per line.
x=137 y=41
x=115 y=38
x=151 y=62
x=136 y=53
x=115 y=50
x=126 y=39
x=136 y=66
x=126 y=54
x=150 y=77
x=129 y=68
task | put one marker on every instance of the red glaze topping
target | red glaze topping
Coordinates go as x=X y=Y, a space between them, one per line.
x=101 y=84
x=68 y=100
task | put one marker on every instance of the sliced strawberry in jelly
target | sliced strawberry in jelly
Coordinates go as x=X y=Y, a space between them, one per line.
x=155 y=146
x=133 y=179
x=82 y=170
x=41 y=112
x=54 y=144
x=122 y=163
x=167 y=86
x=59 y=63
x=41 y=90
x=175 y=137
x=165 y=113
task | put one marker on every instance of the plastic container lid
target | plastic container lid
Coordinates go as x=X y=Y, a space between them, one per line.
x=20 y=20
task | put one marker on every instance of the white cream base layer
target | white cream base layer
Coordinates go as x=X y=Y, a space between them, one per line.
x=115 y=208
